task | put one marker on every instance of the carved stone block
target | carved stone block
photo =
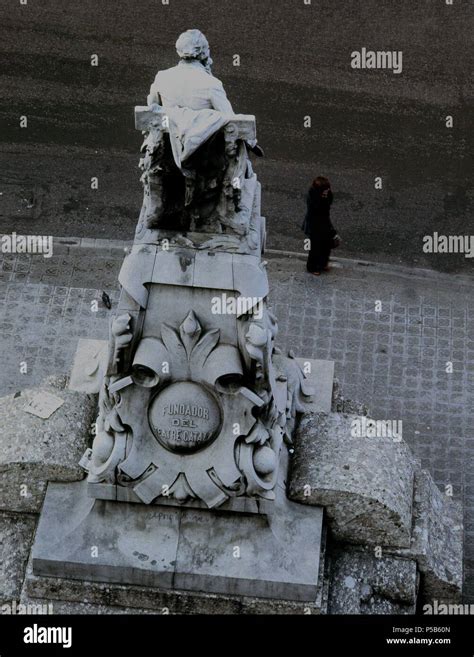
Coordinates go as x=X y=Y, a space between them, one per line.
x=437 y=541
x=362 y=583
x=365 y=484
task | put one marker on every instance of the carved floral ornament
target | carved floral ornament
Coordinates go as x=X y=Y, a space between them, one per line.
x=212 y=437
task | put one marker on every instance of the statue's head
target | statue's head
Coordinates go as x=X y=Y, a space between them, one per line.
x=193 y=45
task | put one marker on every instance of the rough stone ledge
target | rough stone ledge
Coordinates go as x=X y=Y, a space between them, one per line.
x=362 y=583
x=34 y=451
x=365 y=484
x=16 y=536
x=339 y=403
x=437 y=541
x=45 y=607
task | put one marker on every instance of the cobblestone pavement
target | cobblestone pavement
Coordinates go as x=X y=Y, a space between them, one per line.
x=395 y=359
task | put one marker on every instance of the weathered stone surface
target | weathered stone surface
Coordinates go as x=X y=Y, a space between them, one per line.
x=58 y=607
x=437 y=541
x=16 y=533
x=34 y=451
x=361 y=583
x=272 y=557
x=366 y=484
x=339 y=404
x=88 y=369
x=83 y=596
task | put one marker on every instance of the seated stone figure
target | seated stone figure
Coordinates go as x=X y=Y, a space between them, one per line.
x=190 y=84
x=184 y=188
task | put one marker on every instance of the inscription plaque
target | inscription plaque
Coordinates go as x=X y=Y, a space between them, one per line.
x=184 y=417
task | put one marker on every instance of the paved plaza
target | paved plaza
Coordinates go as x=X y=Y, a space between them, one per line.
x=395 y=334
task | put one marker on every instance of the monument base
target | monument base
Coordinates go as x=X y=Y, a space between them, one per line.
x=79 y=596
x=275 y=556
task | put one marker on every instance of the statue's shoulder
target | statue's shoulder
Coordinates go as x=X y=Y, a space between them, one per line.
x=167 y=73
x=191 y=75
x=215 y=82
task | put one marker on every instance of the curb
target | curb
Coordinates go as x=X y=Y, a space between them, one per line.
x=100 y=245
x=384 y=268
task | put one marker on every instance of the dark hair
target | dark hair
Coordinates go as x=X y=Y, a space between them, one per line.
x=321 y=183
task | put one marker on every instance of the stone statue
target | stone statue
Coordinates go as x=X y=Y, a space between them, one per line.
x=194 y=100
x=190 y=191
x=197 y=402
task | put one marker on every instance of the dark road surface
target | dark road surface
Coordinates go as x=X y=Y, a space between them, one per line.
x=295 y=62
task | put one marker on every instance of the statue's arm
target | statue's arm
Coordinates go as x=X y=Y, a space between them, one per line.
x=219 y=99
x=154 y=95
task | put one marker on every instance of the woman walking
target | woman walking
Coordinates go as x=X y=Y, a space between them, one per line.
x=318 y=227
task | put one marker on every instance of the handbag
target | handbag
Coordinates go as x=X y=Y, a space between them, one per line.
x=336 y=241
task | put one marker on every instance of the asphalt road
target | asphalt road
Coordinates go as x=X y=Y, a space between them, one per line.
x=295 y=62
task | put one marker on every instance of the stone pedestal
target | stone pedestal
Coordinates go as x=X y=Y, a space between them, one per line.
x=275 y=556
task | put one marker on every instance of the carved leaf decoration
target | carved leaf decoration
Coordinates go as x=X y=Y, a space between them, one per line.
x=105 y=401
x=181 y=490
x=259 y=434
x=173 y=343
x=255 y=353
x=113 y=422
x=201 y=351
x=190 y=330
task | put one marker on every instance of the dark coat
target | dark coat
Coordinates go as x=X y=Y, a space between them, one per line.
x=318 y=227
x=317 y=218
